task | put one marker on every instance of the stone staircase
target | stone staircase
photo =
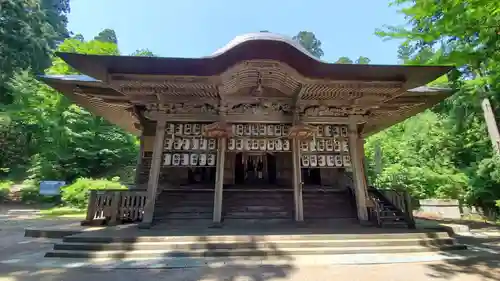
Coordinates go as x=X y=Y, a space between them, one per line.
x=390 y=215
x=90 y=245
x=329 y=204
x=258 y=205
x=184 y=205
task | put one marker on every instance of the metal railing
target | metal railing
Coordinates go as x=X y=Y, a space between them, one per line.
x=115 y=206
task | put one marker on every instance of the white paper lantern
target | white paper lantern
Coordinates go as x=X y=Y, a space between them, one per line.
x=169 y=143
x=320 y=131
x=187 y=129
x=231 y=144
x=345 y=145
x=286 y=144
x=248 y=130
x=177 y=143
x=262 y=129
x=239 y=144
x=169 y=128
x=321 y=160
x=313 y=160
x=270 y=130
x=328 y=130
x=262 y=144
x=255 y=144
x=240 y=130
x=338 y=160
x=255 y=129
x=212 y=144
x=178 y=129
x=329 y=145
x=196 y=129
x=185 y=144
x=343 y=131
x=336 y=145
x=248 y=144
x=176 y=159
x=277 y=130
x=167 y=159
x=346 y=159
x=270 y=145
x=203 y=159
x=336 y=131
x=211 y=159
x=304 y=146
x=305 y=160
x=320 y=145
x=185 y=159
x=195 y=144
x=203 y=144
x=193 y=161
x=278 y=144
x=330 y=160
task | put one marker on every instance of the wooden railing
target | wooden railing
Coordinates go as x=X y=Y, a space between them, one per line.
x=399 y=200
x=115 y=206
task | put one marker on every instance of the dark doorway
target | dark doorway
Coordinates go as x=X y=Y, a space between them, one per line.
x=311 y=176
x=239 y=169
x=271 y=168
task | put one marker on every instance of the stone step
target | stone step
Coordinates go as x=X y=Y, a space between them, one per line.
x=255 y=208
x=96 y=238
x=207 y=215
x=234 y=245
x=255 y=214
x=271 y=251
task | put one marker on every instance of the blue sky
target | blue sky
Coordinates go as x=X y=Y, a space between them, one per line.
x=194 y=28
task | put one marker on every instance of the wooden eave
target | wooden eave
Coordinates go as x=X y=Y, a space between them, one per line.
x=98 y=99
x=256 y=46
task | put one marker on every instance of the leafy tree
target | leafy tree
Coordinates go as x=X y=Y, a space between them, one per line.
x=309 y=41
x=107 y=35
x=464 y=33
x=54 y=138
x=143 y=53
x=27 y=38
x=363 y=60
x=344 y=60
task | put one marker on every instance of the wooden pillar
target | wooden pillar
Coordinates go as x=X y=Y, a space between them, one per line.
x=154 y=174
x=356 y=149
x=297 y=181
x=219 y=181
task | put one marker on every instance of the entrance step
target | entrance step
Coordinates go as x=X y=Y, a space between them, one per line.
x=84 y=246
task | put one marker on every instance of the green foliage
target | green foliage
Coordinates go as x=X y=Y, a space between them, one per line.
x=456 y=159
x=143 y=53
x=5 y=189
x=52 y=138
x=27 y=38
x=309 y=41
x=77 y=194
x=107 y=35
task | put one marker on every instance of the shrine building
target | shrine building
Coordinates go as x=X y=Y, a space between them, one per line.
x=259 y=130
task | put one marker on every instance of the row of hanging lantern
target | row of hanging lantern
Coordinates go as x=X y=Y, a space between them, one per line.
x=330 y=160
x=320 y=145
x=251 y=144
x=179 y=143
x=188 y=159
x=223 y=129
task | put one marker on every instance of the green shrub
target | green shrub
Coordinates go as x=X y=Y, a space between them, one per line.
x=77 y=194
x=30 y=194
x=4 y=189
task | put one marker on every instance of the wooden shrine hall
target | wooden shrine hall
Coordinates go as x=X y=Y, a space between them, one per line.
x=258 y=130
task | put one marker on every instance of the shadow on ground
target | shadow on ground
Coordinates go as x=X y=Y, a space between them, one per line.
x=482 y=258
x=270 y=264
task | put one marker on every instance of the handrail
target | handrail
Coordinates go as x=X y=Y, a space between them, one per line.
x=115 y=206
x=398 y=199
